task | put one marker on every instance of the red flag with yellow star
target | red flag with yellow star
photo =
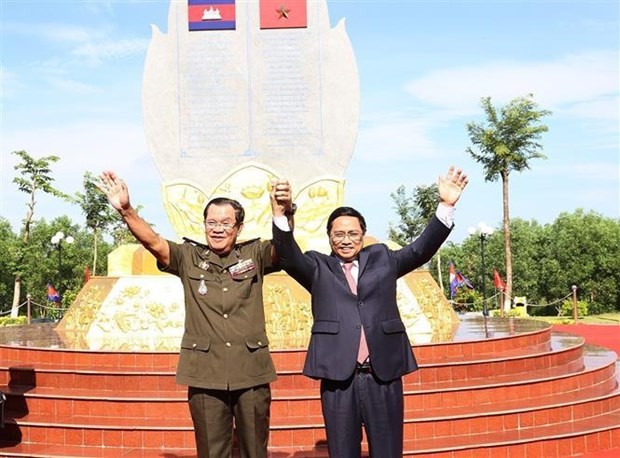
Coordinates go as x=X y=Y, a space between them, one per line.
x=283 y=14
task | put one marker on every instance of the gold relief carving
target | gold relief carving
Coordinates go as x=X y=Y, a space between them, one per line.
x=250 y=184
x=434 y=305
x=140 y=313
x=184 y=202
x=288 y=316
x=80 y=316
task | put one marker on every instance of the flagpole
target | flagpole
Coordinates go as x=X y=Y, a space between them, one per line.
x=482 y=231
x=499 y=301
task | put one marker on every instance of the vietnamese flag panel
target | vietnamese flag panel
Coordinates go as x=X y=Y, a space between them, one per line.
x=282 y=14
x=211 y=14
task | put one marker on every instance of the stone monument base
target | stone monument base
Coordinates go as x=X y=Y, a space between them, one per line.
x=138 y=308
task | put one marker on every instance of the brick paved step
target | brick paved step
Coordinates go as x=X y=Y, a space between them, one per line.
x=598 y=376
x=287 y=360
x=585 y=439
x=306 y=430
x=111 y=378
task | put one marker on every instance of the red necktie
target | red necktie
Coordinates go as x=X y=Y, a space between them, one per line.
x=362 y=354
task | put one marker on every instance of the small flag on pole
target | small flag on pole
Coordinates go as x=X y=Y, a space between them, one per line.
x=457 y=279
x=497 y=281
x=52 y=294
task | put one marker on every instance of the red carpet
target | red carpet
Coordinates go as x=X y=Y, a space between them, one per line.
x=605 y=335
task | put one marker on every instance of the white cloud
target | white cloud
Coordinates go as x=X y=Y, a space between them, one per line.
x=96 y=52
x=572 y=82
x=72 y=86
x=603 y=109
x=596 y=172
x=64 y=33
x=9 y=83
x=51 y=32
x=390 y=138
x=98 y=6
x=94 y=45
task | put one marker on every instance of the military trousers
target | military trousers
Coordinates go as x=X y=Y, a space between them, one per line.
x=216 y=413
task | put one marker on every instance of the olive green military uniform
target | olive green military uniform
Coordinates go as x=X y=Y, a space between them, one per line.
x=225 y=357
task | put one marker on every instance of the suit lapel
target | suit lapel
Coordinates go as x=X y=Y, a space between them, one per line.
x=335 y=266
x=363 y=261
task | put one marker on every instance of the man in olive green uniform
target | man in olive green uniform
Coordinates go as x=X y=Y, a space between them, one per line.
x=224 y=358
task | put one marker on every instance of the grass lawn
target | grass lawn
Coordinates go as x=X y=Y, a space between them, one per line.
x=605 y=318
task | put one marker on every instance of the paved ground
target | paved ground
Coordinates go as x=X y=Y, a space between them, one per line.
x=607 y=336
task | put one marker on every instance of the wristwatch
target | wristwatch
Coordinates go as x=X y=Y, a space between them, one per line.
x=291 y=211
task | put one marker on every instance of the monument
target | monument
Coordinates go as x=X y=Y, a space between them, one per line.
x=235 y=93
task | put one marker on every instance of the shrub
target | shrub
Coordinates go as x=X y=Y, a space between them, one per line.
x=8 y=321
x=567 y=308
x=467 y=300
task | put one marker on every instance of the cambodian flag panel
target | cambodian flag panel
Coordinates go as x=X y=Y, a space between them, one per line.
x=211 y=15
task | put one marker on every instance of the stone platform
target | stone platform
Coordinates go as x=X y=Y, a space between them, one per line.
x=496 y=387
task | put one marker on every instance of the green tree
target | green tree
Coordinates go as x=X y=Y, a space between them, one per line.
x=98 y=213
x=8 y=248
x=43 y=263
x=36 y=176
x=508 y=141
x=414 y=214
x=583 y=249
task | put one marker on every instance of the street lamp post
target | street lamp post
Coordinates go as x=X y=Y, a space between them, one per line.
x=483 y=232
x=57 y=240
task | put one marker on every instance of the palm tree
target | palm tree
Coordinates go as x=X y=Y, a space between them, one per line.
x=506 y=143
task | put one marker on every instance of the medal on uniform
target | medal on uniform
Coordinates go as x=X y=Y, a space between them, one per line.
x=242 y=267
x=202 y=287
x=204 y=265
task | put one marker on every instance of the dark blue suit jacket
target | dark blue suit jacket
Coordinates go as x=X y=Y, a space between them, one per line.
x=339 y=314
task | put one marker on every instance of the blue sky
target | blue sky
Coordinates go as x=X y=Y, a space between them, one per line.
x=71 y=74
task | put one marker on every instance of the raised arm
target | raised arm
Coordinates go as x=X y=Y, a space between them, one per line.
x=117 y=193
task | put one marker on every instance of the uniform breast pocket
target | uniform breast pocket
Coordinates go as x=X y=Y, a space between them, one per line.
x=244 y=283
x=198 y=281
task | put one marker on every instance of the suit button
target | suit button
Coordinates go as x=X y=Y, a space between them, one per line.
x=224 y=289
x=259 y=343
x=360 y=303
x=357 y=326
x=228 y=344
x=225 y=316
x=193 y=345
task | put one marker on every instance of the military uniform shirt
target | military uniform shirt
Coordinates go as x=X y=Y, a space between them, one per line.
x=224 y=344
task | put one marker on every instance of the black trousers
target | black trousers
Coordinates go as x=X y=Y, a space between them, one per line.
x=363 y=400
x=213 y=412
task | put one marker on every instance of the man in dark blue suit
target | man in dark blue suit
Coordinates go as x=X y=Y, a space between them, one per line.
x=359 y=347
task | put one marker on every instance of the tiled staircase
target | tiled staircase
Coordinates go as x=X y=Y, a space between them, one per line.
x=530 y=393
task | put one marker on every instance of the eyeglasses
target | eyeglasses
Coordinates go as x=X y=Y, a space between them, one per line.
x=355 y=237
x=210 y=225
